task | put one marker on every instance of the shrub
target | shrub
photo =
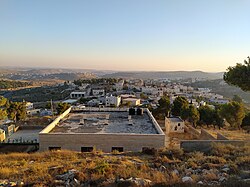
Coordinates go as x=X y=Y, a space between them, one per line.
x=149 y=151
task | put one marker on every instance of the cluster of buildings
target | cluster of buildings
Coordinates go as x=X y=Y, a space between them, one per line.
x=136 y=92
x=115 y=116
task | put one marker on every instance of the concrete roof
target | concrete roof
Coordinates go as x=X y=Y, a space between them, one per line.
x=175 y=119
x=106 y=122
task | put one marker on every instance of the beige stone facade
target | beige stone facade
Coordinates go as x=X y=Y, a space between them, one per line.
x=174 y=124
x=103 y=142
x=2 y=135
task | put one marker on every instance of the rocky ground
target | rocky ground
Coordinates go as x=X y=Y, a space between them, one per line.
x=225 y=165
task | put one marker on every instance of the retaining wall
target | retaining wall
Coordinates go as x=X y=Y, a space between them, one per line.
x=206 y=135
x=206 y=145
x=55 y=122
x=221 y=137
x=104 y=142
x=192 y=131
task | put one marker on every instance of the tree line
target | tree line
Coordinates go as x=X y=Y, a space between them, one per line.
x=232 y=112
x=12 y=110
x=6 y=84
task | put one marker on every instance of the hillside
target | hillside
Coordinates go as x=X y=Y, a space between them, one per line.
x=166 y=74
x=220 y=87
x=225 y=165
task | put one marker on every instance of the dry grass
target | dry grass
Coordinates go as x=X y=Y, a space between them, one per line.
x=231 y=134
x=41 y=168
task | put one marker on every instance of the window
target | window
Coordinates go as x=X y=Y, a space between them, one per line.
x=119 y=149
x=86 y=149
x=54 y=148
x=179 y=124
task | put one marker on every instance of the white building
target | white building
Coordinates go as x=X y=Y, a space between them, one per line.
x=83 y=86
x=98 y=92
x=33 y=112
x=113 y=101
x=174 y=124
x=94 y=102
x=119 y=86
x=219 y=101
x=76 y=95
x=29 y=106
x=133 y=101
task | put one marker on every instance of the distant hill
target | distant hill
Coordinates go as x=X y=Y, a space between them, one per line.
x=166 y=74
x=72 y=74
x=45 y=74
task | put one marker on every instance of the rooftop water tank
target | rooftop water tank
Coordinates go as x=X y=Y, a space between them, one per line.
x=139 y=111
x=131 y=111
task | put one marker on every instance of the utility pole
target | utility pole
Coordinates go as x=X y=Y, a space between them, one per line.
x=51 y=104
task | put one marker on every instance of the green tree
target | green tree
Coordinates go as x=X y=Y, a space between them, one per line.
x=48 y=105
x=185 y=113
x=83 y=100
x=237 y=98
x=239 y=75
x=3 y=114
x=3 y=101
x=143 y=96
x=207 y=115
x=233 y=112
x=246 y=122
x=17 y=111
x=164 y=105
x=218 y=120
x=191 y=114
x=11 y=110
x=62 y=107
x=163 y=108
x=178 y=104
x=21 y=111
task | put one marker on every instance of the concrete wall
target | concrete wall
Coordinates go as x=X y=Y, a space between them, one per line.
x=206 y=145
x=55 y=122
x=104 y=142
x=195 y=133
x=104 y=109
x=155 y=123
x=206 y=135
x=221 y=137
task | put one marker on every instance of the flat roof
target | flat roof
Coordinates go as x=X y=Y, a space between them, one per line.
x=105 y=122
x=175 y=119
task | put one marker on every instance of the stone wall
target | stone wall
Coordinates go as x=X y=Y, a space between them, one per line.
x=157 y=126
x=104 y=142
x=189 y=129
x=221 y=137
x=206 y=135
x=55 y=122
x=206 y=145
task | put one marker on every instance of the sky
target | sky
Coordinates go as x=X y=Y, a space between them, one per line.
x=138 y=35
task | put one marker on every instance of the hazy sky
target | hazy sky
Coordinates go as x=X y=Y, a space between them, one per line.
x=207 y=35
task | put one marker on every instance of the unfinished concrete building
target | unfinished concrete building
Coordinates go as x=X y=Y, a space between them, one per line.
x=105 y=129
